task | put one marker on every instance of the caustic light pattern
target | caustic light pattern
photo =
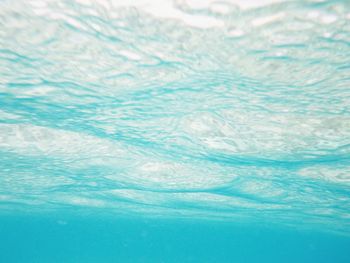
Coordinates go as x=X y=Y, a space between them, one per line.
x=217 y=110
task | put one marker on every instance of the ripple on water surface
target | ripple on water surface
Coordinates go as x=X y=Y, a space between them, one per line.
x=218 y=110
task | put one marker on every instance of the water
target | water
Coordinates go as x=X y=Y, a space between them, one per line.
x=185 y=131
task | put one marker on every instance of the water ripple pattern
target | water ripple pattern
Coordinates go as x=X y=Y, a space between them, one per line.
x=220 y=110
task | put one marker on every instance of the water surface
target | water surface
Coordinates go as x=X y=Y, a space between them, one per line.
x=230 y=115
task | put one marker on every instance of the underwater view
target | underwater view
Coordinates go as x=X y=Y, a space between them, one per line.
x=174 y=131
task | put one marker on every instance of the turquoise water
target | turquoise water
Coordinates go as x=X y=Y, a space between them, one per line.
x=184 y=131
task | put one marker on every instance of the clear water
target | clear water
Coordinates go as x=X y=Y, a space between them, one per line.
x=185 y=131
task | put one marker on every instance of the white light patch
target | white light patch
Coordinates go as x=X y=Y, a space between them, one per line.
x=267 y=20
x=130 y=55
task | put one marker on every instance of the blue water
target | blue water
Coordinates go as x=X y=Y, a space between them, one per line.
x=184 y=131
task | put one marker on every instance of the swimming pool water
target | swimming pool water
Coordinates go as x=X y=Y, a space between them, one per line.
x=174 y=131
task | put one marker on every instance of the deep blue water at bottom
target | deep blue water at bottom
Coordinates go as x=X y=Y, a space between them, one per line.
x=71 y=238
